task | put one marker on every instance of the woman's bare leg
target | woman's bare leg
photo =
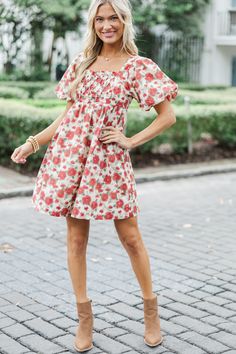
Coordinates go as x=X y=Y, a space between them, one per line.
x=131 y=239
x=77 y=239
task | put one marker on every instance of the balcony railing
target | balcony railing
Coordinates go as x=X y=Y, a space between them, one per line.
x=226 y=24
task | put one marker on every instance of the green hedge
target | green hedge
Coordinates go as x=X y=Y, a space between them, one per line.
x=13 y=92
x=31 y=87
x=19 y=120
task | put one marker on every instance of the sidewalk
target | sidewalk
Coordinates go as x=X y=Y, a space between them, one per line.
x=188 y=227
x=14 y=184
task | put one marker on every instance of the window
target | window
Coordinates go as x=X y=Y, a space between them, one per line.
x=234 y=71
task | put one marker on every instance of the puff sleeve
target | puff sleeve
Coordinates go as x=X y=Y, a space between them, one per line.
x=151 y=85
x=62 y=88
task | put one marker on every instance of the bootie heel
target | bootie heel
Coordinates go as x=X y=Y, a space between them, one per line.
x=152 y=336
x=83 y=339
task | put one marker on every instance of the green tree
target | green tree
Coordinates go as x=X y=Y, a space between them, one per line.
x=13 y=32
x=179 y=15
x=59 y=17
x=185 y=15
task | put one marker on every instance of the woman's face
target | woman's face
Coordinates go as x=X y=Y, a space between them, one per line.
x=107 y=24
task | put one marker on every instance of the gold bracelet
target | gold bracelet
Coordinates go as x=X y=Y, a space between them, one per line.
x=33 y=142
x=36 y=142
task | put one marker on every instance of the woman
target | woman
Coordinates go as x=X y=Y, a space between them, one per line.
x=86 y=172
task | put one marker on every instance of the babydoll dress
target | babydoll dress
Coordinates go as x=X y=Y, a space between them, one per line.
x=80 y=175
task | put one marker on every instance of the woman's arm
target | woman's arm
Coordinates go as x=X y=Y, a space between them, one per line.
x=46 y=135
x=20 y=153
x=166 y=118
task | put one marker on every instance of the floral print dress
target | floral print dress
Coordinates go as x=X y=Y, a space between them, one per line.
x=80 y=175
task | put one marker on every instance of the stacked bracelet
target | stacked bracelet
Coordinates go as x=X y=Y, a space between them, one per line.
x=33 y=142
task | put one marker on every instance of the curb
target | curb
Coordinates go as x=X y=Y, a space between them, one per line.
x=16 y=192
x=140 y=178
x=171 y=175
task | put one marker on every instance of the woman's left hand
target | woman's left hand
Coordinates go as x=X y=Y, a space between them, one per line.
x=111 y=134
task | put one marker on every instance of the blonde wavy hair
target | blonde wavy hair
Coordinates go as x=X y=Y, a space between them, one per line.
x=93 y=44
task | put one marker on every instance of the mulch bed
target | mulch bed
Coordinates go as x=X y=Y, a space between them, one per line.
x=208 y=154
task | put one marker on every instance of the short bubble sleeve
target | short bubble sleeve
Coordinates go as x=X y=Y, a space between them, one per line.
x=151 y=85
x=62 y=88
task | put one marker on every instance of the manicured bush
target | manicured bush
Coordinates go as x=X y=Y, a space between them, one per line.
x=210 y=97
x=30 y=87
x=45 y=94
x=19 y=120
x=13 y=92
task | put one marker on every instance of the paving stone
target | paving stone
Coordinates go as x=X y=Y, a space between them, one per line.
x=35 y=308
x=168 y=327
x=226 y=338
x=3 y=302
x=102 y=299
x=213 y=320
x=44 y=328
x=194 y=324
x=64 y=322
x=66 y=341
x=111 y=317
x=181 y=347
x=206 y=343
x=40 y=345
x=214 y=309
x=113 y=332
x=129 y=299
x=198 y=294
x=17 y=313
x=178 y=296
x=167 y=313
x=212 y=289
x=227 y=327
x=50 y=315
x=6 y=322
x=137 y=343
x=18 y=299
x=17 y=330
x=231 y=306
x=187 y=310
x=228 y=295
x=193 y=271
x=127 y=311
x=217 y=300
x=109 y=345
x=99 y=324
x=10 y=346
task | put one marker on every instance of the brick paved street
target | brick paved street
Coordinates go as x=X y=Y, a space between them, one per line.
x=188 y=226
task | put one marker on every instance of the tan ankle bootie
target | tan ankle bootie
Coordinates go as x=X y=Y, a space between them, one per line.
x=84 y=332
x=152 y=336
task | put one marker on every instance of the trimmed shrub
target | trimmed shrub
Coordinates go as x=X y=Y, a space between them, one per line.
x=19 y=120
x=13 y=92
x=30 y=87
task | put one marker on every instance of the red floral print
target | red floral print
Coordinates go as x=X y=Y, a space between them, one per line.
x=79 y=175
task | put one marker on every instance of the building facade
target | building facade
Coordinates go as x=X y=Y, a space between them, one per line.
x=218 y=62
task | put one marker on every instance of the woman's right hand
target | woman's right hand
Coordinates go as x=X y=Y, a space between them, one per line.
x=20 y=153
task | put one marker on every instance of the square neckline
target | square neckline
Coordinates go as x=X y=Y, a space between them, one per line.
x=114 y=71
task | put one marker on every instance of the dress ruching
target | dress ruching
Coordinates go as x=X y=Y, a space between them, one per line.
x=79 y=175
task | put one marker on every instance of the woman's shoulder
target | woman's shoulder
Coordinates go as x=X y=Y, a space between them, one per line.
x=142 y=65
x=140 y=60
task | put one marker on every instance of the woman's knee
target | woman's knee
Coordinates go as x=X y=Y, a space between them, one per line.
x=132 y=242
x=77 y=235
x=129 y=235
